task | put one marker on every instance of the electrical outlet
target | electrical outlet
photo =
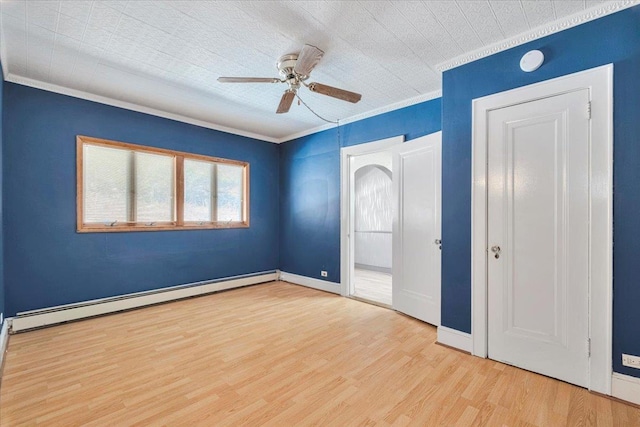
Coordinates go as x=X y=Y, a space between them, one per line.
x=631 y=361
x=323 y=273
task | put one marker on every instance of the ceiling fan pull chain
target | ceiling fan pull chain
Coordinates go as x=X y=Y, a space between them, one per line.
x=316 y=114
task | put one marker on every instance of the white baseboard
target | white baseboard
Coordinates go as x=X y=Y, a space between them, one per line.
x=625 y=387
x=65 y=313
x=4 y=340
x=456 y=339
x=310 y=282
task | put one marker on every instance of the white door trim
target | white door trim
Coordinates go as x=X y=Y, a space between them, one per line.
x=346 y=202
x=599 y=81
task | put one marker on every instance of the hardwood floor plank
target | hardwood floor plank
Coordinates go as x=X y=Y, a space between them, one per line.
x=279 y=355
x=372 y=286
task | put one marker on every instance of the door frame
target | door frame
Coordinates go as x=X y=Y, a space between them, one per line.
x=599 y=81
x=347 y=203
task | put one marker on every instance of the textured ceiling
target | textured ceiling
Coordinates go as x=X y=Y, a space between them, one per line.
x=167 y=55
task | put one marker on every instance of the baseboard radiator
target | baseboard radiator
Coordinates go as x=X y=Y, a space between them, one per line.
x=27 y=320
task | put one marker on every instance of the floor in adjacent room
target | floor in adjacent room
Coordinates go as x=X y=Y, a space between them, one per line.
x=372 y=286
x=275 y=354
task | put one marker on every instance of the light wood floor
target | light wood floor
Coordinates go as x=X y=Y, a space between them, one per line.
x=275 y=354
x=372 y=285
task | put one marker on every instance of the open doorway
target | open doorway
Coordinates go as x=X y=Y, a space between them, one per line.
x=367 y=221
x=372 y=227
x=397 y=183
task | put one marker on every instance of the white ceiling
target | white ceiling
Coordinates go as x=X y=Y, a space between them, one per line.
x=167 y=55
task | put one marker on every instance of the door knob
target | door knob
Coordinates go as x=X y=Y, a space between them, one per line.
x=496 y=251
x=439 y=243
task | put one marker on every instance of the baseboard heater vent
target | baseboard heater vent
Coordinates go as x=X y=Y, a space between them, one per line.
x=33 y=319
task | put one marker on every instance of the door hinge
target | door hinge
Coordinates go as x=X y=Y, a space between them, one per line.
x=589 y=347
x=589 y=110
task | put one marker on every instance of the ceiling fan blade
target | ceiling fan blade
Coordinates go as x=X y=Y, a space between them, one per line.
x=307 y=60
x=248 y=80
x=286 y=101
x=345 y=95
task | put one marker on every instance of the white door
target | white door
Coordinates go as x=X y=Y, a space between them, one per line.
x=538 y=236
x=416 y=228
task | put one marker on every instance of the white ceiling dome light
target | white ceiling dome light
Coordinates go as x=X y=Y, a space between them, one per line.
x=531 y=61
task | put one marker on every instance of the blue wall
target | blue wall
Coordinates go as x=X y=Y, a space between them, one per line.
x=612 y=39
x=310 y=185
x=48 y=263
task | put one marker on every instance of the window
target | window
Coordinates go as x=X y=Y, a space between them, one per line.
x=126 y=187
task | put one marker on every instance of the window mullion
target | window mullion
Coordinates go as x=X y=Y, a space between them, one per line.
x=179 y=190
x=132 y=208
x=214 y=192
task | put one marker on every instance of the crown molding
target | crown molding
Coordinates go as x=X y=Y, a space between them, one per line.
x=386 y=109
x=539 y=32
x=25 y=81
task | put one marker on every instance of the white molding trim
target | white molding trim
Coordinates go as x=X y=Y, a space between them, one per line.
x=64 y=313
x=562 y=24
x=310 y=282
x=347 y=203
x=599 y=81
x=375 y=112
x=454 y=338
x=625 y=387
x=25 y=81
x=4 y=341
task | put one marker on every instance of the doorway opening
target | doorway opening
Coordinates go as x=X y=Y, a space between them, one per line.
x=372 y=227
x=390 y=224
x=367 y=221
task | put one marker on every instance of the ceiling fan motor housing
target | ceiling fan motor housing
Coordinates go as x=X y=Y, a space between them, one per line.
x=286 y=64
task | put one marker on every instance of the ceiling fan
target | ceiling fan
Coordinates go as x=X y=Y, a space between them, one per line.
x=295 y=70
